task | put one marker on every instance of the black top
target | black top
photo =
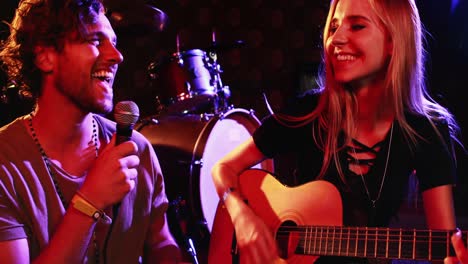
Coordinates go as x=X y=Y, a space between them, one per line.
x=431 y=159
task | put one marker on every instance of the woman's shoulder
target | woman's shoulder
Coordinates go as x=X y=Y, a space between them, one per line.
x=303 y=103
x=423 y=122
x=428 y=126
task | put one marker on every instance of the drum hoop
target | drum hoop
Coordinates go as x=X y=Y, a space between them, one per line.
x=197 y=154
x=192 y=53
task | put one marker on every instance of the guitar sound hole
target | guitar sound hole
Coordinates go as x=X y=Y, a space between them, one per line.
x=287 y=239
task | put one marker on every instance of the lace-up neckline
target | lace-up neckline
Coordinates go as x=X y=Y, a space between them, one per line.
x=353 y=159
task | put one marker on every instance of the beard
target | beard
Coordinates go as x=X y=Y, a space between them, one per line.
x=87 y=101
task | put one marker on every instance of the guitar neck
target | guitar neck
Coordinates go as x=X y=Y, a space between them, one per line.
x=369 y=242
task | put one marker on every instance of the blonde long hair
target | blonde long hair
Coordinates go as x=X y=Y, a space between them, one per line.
x=404 y=84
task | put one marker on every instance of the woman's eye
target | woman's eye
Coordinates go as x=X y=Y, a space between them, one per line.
x=357 y=27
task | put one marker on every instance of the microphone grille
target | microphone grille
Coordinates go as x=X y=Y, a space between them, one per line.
x=126 y=113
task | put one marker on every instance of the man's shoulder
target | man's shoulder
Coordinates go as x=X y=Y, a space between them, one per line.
x=12 y=131
x=107 y=124
x=109 y=127
x=14 y=139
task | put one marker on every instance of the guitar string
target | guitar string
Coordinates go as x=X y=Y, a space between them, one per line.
x=377 y=231
x=394 y=248
x=390 y=250
x=363 y=236
x=329 y=229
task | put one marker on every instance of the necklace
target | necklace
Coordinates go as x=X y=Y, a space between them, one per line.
x=374 y=201
x=48 y=164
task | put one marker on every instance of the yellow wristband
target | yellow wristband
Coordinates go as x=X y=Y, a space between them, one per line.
x=80 y=203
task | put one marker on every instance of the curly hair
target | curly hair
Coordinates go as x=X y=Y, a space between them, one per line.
x=46 y=23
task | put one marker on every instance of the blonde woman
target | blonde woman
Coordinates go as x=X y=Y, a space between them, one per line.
x=370 y=126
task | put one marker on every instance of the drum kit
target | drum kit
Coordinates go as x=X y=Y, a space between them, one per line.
x=193 y=127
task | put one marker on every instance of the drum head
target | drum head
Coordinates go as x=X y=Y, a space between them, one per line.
x=228 y=132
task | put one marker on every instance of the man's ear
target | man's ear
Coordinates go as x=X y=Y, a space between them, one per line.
x=45 y=58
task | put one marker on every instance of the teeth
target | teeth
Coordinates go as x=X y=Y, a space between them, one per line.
x=345 y=57
x=106 y=75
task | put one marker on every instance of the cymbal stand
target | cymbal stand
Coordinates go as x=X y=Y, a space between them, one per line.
x=222 y=92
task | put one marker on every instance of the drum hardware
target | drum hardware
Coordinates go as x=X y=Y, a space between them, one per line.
x=145 y=121
x=222 y=115
x=267 y=103
x=187 y=146
x=198 y=163
x=192 y=251
x=177 y=213
x=185 y=82
x=222 y=92
x=252 y=112
x=206 y=116
x=189 y=82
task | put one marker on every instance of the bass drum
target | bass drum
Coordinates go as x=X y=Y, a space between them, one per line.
x=187 y=147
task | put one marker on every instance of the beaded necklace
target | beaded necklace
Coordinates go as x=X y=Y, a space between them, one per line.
x=48 y=164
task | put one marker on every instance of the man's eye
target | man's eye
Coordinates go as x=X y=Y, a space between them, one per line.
x=95 y=42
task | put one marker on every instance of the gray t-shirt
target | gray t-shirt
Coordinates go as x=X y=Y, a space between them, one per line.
x=31 y=208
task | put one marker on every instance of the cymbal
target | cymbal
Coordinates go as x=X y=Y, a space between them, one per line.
x=135 y=17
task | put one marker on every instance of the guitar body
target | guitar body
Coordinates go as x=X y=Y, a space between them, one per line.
x=277 y=204
x=306 y=223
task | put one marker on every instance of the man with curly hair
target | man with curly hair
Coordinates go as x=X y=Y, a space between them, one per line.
x=61 y=171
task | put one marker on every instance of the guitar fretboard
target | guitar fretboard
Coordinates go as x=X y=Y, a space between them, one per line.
x=388 y=243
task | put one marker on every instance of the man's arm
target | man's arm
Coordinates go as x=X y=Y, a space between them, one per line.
x=65 y=246
x=164 y=249
x=14 y=251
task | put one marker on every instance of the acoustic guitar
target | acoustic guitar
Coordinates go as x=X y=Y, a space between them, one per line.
x=307 y=222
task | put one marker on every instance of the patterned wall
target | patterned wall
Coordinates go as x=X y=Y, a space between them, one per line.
x=282 y=42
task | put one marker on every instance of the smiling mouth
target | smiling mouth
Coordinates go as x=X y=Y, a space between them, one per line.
x=345 y=58
x=104 y=76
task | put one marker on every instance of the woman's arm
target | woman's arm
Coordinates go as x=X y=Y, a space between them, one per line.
x=254 y=239
x=438 y=207
x=440 y=214
x=460 y=250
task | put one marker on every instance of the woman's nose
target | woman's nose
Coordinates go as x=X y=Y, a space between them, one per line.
x=339 y=37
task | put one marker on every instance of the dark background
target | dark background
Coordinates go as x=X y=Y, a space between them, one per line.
x=280 y=56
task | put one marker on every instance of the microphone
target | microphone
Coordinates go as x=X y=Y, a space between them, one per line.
x=126 y=114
